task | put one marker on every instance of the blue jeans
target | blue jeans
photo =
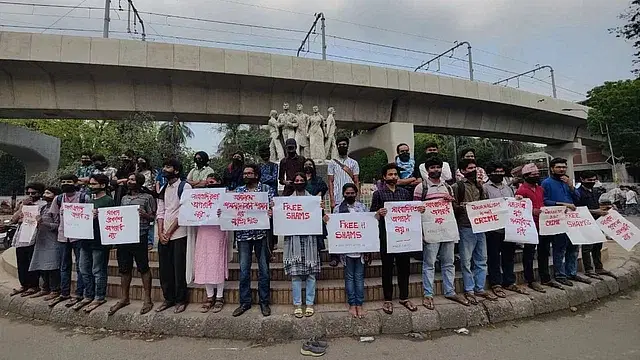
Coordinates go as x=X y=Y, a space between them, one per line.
x=565 y=256
x=310 y=287
x=261 y=248
x=66 y=264
x=444 y=252
x=354 y=280
x=150 y=235
x=473 y=247
x=93 y=266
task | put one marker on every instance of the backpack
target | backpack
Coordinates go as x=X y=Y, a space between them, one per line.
x=425 y=188
x=83 y=199
x=180 y=190
x=459 y=196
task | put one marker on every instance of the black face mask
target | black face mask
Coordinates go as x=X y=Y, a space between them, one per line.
x=237 y=162
x=473 y=175
x=299 y=186
x=391 y=181
x=532 y=179
x=557 y=176
x=200 y=163
x=434 y=174
x=99 y=165
x=404 y=157
x=215 y=185
x=291 y=152
x=589 y=185
x=133 y=186
x=169 y=175
x=142 y=165
x=68 y=188
x=350 y=199
x=34 y=198
x=308 y=169
x=250 y=181
x=47 y=199
x=86 y=162
x=343 y=150
x=496 y=179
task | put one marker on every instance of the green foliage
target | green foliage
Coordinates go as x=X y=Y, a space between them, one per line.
x=631 y=30
x=11 y=176
x=248 y=139
x=617 y=105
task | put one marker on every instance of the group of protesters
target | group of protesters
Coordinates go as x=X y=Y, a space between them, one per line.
x=45 y=262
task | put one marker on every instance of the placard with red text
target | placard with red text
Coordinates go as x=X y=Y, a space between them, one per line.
x=297 y=215
x=520 y=226
x=29 y=224
x=439 y=222
x=119 y=225
x=619 y=229
x=582 y=229
x=553 y=220
x=403 y=223
x=78 y=220
x=200 y=207
x=353 y=233
x=244 y=211
x=487 y=215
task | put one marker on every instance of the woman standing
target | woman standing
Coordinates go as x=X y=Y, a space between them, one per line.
x=47 y=252
x=211 y=259
x=301 y=259
x=315 y=185
x=232 y=176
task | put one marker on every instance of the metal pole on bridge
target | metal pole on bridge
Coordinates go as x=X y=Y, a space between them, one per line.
x=107 y=7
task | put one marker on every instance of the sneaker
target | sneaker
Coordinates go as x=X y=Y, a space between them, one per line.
x=240 y=310
x=565 y=282
x=318 y=343
x=593 y=275
x=265 y=309
x=606 y=273
x=580 y=278
x=308 y=349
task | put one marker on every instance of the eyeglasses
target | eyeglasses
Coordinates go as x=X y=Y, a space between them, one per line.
x=32 y=193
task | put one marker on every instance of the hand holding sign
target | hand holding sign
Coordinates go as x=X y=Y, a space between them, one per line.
x=245 y=211
x=200 y=207
x=119 y=225
x=404 y=226
x=487 y=215
x=353 y=233
x=78 y=220
x=297 y=215
x=619 y=229
x=520 y=226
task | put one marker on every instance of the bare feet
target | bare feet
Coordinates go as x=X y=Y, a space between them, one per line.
x=361 y=312
x=353 y=311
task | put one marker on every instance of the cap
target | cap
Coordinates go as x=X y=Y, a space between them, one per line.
x=290 y=142
x=529 y=168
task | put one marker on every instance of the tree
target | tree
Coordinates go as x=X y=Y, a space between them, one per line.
x=631 y=30
x=12 y=177
x=248 y=139
x=173 y=135
x=616 y=105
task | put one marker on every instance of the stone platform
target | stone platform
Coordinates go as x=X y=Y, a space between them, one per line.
x=330 y=320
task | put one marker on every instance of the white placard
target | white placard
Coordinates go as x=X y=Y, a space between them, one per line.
x=403 y=224
x=244 y=211
x=297 y=215
x=439 y=222
x=29 y=223
x=487 y=215
x=582 y=228
x=619 y=229
x=553 y=220
x=200 y=207
x=78 y=220
x=353 y=233
x=119 y=225
x=520 y=226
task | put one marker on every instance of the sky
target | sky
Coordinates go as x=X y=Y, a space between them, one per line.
x=507 y=36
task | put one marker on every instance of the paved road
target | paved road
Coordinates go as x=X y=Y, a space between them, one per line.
x=608 y=330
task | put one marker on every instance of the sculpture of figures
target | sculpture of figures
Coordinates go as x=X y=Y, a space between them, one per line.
x=275 y=146
x=330 y=135
x=316 y=136
x=302 y=133
x=289 y=123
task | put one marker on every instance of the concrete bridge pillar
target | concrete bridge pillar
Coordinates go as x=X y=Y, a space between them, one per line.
x=385 y=137
x=565 y=151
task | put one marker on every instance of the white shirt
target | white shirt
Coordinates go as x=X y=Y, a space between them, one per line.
x=632 y=197
x=169 y=207
x=446 y=171
x=340 y=177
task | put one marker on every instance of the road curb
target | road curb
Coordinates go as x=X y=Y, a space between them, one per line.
x=283 y=326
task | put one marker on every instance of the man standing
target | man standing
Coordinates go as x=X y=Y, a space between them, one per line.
x=392 y=192
x=432 y=187
x=559 y=191
x=341 y=171
x=289 y=166
x=406 y=164
x=198 y=175
x=127 y=253
x=500 y=254
x=422 y=171
x=254 y=240
x=472 y=246
x=172 y=249
x=632 y=202
x=531 y=190
x=589 y=198
x=70 y=194
x=86 y=167
x=269 y=176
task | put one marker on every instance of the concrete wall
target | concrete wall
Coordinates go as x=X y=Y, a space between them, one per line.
x=38 y=152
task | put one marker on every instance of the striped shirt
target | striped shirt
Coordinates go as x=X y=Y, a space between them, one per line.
x=434 y=191
x=341 y=177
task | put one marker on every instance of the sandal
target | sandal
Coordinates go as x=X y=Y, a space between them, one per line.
x=80 y=304
x=298 y=312
x=408 y=305
x=180 y=308
x=428 y=302
x=387 y=307
x=459 y=299
x=206 y=306
x=29 y=292
x=72 y=301
x=94 y=305
x=164 y=306
x=471 y=298
x=56 y=300
x=146 y=307
x=308 y=312
x=516 y=288
x=40 y=293
x=498 y=291
x=218 y=305
x=15 y=292
x=51 y=296
x=333 y=263
x=487 y=295
x=117 y=306
x=537 y=287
